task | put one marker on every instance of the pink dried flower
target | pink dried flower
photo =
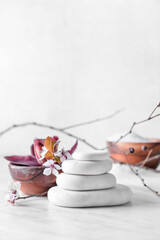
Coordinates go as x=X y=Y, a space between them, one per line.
x=13 y=195
x=51 y=168
x=43 y=150
x=63 y=155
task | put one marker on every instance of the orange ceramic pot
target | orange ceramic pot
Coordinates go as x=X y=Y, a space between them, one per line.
x=141 y=150
x=32 y=179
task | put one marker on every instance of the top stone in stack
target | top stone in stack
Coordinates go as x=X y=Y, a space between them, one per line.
x=85 y=182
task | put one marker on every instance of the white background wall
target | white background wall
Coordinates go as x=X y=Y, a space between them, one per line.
x=63 y=62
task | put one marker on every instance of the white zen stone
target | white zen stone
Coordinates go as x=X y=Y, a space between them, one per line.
x=86 y=167
x=108 y=197
x=81 y=182
x=95 y=155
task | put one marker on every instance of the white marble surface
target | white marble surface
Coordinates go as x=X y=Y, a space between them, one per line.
x=37 y=218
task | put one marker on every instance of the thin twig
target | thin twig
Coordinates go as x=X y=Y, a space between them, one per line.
x=139 y=122
x=158 y=105
x=63 y=130
x=81 y=139
x=138 y=165
x=146 y=159
x=33 y=195
x=27 y=124
x=93 y=121
x=139 y=176
x=50 y=127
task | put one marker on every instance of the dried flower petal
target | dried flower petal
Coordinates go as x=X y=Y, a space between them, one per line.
x=57 y=159
x=49 y=155
x=48 y=143
x=48 y=163
x=54 y=138
x=51 y=143
x=23 y=160
x=12 y=196
x=51 y=167
x=55 y=172
x=32 y=150
x=71 y=151
x=57 y=167
x=14 y=186
x=38 y=144
x=47 y=171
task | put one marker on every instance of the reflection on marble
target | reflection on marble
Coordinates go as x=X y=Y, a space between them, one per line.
x=38 y=218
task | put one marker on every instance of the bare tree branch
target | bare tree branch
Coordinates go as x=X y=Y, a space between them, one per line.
x=93 y=121
x=63 y=130
x=47 y=126
x=136 y=172
x=142 y=121
x=33 y=195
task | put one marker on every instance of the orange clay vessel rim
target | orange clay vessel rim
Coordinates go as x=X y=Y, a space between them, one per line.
x=152 y=140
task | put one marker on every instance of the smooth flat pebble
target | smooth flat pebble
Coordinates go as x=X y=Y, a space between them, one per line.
x=94 y=155
x=86 y=167
x=109 y=197
x=81 y=182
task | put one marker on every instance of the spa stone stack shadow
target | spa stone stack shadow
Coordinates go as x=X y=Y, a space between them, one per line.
x=86 y=182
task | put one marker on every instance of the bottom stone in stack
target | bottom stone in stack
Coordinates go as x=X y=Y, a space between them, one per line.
x=95 y=198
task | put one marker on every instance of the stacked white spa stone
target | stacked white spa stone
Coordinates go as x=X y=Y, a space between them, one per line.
x=86 y=182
